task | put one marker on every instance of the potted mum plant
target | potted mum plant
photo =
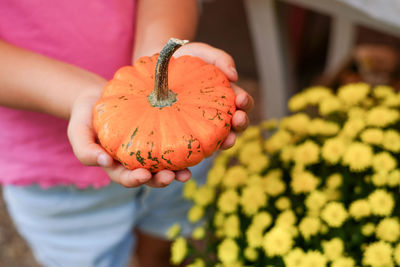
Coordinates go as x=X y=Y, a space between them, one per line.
x=318 y=188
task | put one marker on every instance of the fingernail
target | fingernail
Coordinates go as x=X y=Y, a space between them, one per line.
x=234 y=71
x=103 y=160
x=245 y=101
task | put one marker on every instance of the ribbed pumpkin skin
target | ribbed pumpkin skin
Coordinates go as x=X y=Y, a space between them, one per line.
x=173 y=137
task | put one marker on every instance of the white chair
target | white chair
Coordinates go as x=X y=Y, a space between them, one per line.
x=272 y=63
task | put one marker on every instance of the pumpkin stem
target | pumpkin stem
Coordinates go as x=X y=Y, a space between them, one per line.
x=162 y=96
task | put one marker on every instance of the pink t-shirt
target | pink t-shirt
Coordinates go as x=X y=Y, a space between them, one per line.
x=96 y=35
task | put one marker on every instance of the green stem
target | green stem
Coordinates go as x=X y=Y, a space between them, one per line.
x=162 y=96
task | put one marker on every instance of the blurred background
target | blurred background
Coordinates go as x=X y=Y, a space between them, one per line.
x=282 y=47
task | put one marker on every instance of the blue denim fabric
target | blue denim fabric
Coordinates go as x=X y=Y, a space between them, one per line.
x=65 y=226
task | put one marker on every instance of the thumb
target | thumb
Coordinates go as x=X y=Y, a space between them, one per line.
x=85 y=149
x=82 y=138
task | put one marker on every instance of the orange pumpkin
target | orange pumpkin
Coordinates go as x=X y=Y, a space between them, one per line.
x=164 y=113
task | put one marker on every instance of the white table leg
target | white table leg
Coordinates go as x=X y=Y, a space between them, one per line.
x=263 y=22
x=341 y=43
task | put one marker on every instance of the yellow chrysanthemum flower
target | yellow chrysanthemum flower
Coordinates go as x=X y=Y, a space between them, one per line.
x=393 y=178
x=189 y=189
x=254 y=179
x=373 y=136
x=297 y=123
x=383 y=161
x=251 y=133
x=378 y=254
x=173 y=231
x=262 y=220
x=195 y=213
x=383 y=91
x=276 y=173
x=277 y=141
x=354 y=93
x=178 y=250
x=333 y=249
x=330 y=105
x=250 y=253
x=316 y=94
x=315 y=201
x=204 y=195
x=228 y=201
x=287 y=153
x=253 y=197
x=231 y=227
x=307 y=153
x=283 y=203
x=352 y=128
x=198 y=233
x=249 y=150
x=314 y=258
x=258 y=163
x=223 y=158
x=235 y=177
x=303 y=182
x=215 y=175
x=228 y=251
x=333 y=150
x=254 y=236
x=294 y=258
x=382 y=116
x=391 y=140
x=277 y=242
x=396 y=254
x=319 y=126
x=286 y=218
x=368 y=229
x=197 y=263
x=360 y=209
x=358 y=156
x=298 y=168
x=393 y=101
x=273 y=184
x=270 y=124
x=297 y=102
x=356 y=113
x=334 y=181
x=334 y=214
x=388 y=229
x=309 y=226
x=343 y=262
x=381 y=202
x=378 y=179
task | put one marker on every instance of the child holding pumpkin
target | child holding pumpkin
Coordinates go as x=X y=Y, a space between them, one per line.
x=55 y=63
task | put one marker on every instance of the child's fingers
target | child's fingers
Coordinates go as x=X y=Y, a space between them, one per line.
x=229 y=141
x=161 y=179
x=240 y=121
x=244 y=101
x=211 y=55
x=183 y=175
x=128 y=178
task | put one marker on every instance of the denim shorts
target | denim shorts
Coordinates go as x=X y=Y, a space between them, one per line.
x=65 y=226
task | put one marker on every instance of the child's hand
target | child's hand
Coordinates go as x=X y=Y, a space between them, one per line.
x=222 y=60
x=83 y=140
x=83 y=137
